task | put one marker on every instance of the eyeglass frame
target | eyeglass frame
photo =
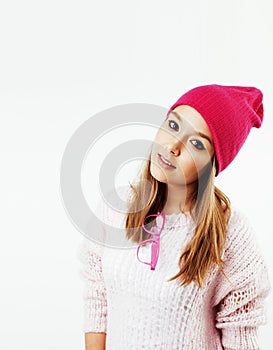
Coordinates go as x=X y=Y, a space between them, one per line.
x=155 y=242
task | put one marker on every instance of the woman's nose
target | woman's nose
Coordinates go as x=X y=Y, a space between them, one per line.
x=175 y=146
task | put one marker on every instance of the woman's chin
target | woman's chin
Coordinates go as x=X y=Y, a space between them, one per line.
x=158 y=174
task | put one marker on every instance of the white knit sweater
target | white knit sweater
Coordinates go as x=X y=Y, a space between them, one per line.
x=140 y=310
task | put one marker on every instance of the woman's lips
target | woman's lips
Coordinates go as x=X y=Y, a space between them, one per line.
x=164 y=162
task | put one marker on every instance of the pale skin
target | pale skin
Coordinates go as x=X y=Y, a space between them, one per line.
x=180 y=142
x=178 y=139
x=95 y=341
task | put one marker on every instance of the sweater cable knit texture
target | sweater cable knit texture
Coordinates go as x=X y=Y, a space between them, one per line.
x=140 y=310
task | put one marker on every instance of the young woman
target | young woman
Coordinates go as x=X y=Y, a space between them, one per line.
x=196 y=278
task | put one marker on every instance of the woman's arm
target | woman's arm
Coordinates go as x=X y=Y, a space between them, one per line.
x=94 y=294
x=95 y=341
x=241 y=308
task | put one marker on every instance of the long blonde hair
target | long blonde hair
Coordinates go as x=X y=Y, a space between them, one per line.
x=211 y=210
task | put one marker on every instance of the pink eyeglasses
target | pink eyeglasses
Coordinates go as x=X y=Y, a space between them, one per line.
x=155 y=241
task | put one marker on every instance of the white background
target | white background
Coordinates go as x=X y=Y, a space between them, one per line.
x=63 y=61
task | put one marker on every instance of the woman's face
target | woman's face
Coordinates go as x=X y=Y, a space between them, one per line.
x=185 y=141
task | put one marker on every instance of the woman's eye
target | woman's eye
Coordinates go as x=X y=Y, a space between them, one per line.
x=198 y=144
x=173 y=125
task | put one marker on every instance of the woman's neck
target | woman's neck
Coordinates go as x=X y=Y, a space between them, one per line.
x=177 y=200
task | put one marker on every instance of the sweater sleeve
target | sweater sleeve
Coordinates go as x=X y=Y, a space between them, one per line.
x=94 y=293
x=240 y=305
x=90 y=255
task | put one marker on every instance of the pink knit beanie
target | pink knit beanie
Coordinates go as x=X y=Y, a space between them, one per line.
x=230 y=112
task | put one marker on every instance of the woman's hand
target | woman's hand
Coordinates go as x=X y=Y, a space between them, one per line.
x=95 y=341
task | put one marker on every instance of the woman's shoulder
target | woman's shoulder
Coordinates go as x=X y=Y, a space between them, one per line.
x=240 y=230
x=242 y=243
x=243 y=257
x=238 y=218
x=113 y=203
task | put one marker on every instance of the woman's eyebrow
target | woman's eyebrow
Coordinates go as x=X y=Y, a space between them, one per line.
x=197 y=132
